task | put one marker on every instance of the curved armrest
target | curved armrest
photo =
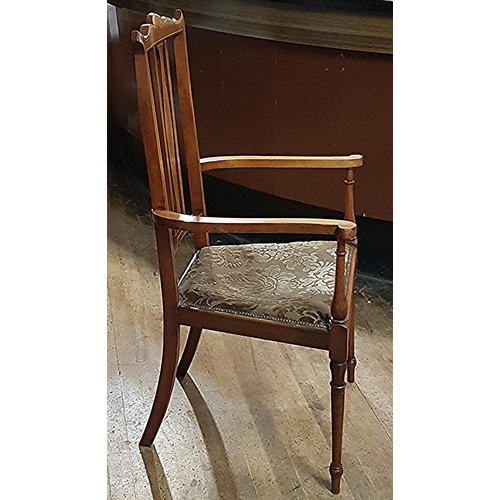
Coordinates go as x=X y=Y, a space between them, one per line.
x=192 y=223
x=221 y=162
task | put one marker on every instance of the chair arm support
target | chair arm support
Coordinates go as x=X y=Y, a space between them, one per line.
x=192 y=223
x=318 y=162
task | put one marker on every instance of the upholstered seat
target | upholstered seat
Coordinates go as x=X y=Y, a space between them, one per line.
x=290 y=282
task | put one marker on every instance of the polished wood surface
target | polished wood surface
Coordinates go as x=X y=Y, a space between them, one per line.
x=247 y=225
x=363 y=25
x=255 y=327
x=252 y=161
x=159 y=120
x=169 y=136
x=252 y=419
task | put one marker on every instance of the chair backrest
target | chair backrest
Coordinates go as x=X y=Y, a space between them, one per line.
x=167 y=116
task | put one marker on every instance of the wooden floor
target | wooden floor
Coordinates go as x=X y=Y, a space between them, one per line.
x=252 y=418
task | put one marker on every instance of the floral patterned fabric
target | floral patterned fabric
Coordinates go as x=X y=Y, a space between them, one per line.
x=290 y=282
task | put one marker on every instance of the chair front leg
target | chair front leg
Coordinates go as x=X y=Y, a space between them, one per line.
x=338 y=366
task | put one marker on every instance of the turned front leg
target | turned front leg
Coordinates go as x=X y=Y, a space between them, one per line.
x=338 y=395
x=338 y=368
x=337 y=347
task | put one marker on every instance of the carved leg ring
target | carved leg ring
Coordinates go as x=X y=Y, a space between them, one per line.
x=336 y=474
x=338 y=394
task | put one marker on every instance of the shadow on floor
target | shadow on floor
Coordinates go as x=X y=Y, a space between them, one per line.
x=156 y=474
x=217 y=454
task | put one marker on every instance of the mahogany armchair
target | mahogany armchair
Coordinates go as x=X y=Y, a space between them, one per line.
x=299 y=293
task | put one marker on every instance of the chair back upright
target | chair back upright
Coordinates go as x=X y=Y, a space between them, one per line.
x=167 y=117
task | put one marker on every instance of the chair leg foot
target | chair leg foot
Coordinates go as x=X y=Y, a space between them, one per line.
x=351 y=369
x=336 y=474
x=165 y=384
x=189 y=351
x=338 y=370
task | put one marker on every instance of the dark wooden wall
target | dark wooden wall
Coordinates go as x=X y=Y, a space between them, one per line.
x=264 y=97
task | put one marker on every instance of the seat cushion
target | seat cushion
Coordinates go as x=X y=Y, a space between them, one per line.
x=289 y=282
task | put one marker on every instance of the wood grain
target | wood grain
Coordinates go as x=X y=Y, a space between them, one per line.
x=248 y=225
x=330 y=26
x=256 y=161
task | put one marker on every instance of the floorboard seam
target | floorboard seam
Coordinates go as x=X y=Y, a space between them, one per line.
x=373 y=411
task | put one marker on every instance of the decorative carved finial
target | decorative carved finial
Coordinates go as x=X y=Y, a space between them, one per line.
x=158 y=27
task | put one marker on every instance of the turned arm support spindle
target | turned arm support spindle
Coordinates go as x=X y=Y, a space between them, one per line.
x=339 y=304
x=349 y=195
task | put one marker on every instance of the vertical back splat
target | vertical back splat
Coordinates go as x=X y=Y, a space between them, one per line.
x=160 y=59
